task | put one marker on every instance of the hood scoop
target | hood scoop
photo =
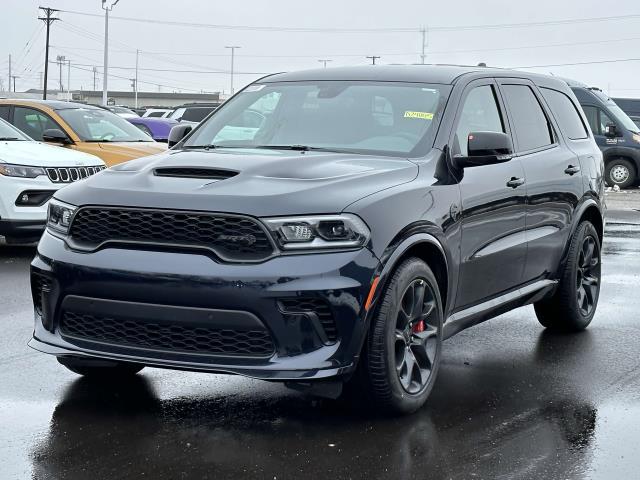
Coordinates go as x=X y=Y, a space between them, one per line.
x=195 y=172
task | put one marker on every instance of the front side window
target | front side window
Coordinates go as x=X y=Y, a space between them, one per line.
x=530 y=124
x=95 y=125
x=33 y=122
x=387 y=118
x=597 y=118
x=566 y=114
x=480 y=113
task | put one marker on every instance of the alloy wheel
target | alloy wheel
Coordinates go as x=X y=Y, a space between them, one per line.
x=588 y=276
x=416 y=336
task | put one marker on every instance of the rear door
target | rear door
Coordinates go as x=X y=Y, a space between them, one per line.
x=493 y=243
x=552 y=170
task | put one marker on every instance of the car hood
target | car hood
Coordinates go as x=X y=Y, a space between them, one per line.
x=130 y=150
x=43 y=155
x=267 y=182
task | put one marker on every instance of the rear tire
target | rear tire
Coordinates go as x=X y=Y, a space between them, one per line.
x=401 y=358
x=621 y=172
x=100 y=369
x=574 y=303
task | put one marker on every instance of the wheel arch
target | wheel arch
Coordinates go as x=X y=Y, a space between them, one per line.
x=428 y=248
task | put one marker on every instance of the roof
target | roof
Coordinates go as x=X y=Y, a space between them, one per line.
x=436 y=74
x=53 y=104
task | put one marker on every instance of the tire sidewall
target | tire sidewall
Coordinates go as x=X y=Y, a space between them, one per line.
x=408 y=272
x=586 y=229
x=628 y=165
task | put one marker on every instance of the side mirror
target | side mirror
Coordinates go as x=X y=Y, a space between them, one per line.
x=55 y=135
x=485 y=148
x=611 y=131
x=177 y=133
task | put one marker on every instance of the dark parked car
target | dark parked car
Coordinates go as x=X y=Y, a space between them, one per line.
x=617 y=135
x=371 y=213
x=156 y=128
x=193 y=112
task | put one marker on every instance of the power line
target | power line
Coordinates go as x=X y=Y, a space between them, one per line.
x=444 y=28
x=594 y=62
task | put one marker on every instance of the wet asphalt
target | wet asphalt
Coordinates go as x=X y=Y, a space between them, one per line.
x=511 y=402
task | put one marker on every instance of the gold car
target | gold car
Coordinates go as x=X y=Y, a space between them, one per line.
x=80 y=127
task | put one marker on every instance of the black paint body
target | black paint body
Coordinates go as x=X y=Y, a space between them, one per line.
x=492 y=247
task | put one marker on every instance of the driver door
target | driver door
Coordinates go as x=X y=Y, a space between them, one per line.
x=493 y=243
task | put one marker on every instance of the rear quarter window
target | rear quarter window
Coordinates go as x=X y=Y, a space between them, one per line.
x=566 y=114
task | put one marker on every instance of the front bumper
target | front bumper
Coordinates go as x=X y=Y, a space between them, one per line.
x=159 y=283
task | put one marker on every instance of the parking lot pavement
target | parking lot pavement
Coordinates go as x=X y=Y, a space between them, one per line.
x=511 y=401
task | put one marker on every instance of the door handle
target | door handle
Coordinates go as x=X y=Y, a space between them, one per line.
x=571 y=170
x=515 y=182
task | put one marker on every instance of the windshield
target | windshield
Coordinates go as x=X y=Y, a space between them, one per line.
x=387 y=118
x=10 y=133
x=94 y=125
x=618 y=113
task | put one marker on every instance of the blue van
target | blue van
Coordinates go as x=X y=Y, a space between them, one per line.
x=616 y=134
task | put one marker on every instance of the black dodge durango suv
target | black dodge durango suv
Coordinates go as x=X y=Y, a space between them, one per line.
x=329 y=229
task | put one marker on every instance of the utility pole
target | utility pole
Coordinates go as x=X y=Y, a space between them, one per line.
x=95 y=72
x=48 y=20
x=136 y=80
x=373 y=59
x=324 y=62
x=14 y=82
x=233 y=51
x=423 y=55
x=60 y=59
x=105 y=70
x=9 y=72
x=68 y=80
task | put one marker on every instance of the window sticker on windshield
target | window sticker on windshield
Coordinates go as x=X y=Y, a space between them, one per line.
x=423 y=115
x=254 y=88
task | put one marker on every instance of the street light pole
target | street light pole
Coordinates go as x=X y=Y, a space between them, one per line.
x=105 y=72
x=136 y=80
x=233 y=51
x=68 y=80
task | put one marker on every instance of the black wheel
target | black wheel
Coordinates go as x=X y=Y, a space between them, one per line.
x=402 y=356
x=574 y=304
x=621 y=172
x=100 y=369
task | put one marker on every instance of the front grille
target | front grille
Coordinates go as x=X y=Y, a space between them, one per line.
x=314 y=305
x=174 y=338
x=232 y=238
x=71 y=174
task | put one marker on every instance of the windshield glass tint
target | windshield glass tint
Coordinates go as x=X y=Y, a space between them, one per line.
x=8 y=131
x=388 y=118
x=622 y=117
x=101 y=125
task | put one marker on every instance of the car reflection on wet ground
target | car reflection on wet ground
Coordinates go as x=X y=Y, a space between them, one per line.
x=511 y=401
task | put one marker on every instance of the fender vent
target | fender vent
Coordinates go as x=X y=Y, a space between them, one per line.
x=194 y=172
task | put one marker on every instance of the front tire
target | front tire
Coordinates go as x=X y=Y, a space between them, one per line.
x=100 y=369
x=574 y=303
x=402 y=356
x=621 y=172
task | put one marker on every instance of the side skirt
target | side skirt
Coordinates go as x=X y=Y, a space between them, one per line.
x=497 y=306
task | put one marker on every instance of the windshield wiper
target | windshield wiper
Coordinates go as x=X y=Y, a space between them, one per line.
x=9 y=139
x=303 y=148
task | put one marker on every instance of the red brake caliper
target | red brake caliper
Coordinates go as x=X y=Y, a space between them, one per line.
x=418 y=326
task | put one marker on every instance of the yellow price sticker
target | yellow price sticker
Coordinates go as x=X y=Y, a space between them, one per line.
x=423 y=115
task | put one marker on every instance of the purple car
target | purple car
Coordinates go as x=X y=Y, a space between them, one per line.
x=156 y=128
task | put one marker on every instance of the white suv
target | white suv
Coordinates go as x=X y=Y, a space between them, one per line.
x=30 y=173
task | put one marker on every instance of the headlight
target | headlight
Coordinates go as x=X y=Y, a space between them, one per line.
x=636 y=138
x=10 y=170
x=59 y=216
x=319 y=232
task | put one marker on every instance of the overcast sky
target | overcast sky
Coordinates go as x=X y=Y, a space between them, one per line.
x=168 y=48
